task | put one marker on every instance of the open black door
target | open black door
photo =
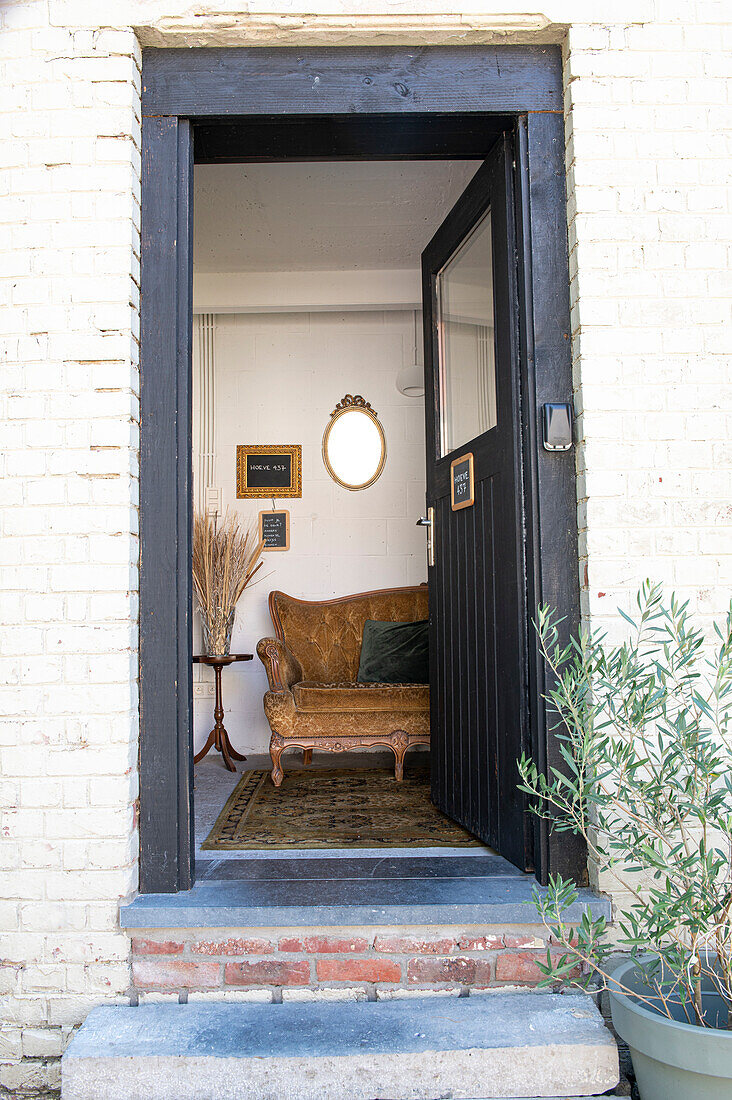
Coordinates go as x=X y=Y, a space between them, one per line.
x=478 y=662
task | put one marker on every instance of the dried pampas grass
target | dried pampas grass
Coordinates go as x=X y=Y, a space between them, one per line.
x=225 y=560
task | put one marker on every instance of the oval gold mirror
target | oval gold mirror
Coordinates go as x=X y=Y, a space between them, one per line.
x=354 y=444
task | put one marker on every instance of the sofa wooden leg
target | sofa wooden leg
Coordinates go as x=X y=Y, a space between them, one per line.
x=307 y=756
x=276 y=748
x=399 y=744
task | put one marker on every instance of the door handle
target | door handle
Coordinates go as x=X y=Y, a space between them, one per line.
x=428 y=521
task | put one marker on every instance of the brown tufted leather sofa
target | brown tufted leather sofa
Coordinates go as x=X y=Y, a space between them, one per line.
x=314 y=700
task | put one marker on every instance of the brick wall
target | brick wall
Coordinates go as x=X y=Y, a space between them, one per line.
x=69 y=257
x=648 y=154
x=347 y=963
x=649 y=137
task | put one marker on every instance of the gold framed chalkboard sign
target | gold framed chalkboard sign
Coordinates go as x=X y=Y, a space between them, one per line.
x=462 y=487
x=269 y=470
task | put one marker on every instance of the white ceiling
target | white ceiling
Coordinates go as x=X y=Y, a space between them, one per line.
x=321 y=216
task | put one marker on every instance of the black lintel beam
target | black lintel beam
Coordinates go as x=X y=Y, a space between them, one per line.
x=337 y=80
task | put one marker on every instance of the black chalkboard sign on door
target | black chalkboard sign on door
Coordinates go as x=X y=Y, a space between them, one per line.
x=462 y=492
x=274 y=529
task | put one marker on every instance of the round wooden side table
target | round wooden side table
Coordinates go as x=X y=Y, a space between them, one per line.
x=218 y=738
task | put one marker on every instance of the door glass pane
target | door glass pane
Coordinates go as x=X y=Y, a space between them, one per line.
x=465 y=325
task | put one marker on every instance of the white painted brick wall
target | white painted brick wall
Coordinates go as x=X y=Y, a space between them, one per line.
x=648 y=154
x=649 y=137
x=69 y=246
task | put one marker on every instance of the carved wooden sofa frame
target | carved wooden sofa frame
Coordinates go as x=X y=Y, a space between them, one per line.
x=314 y=701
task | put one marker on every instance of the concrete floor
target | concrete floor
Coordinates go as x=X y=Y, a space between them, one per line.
x=213 y=784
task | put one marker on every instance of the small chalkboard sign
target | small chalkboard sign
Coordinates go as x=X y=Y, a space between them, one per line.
x=461 y=482
x=271 y=470
x=274 y=530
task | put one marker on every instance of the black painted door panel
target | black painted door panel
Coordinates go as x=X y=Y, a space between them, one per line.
x=477 y=589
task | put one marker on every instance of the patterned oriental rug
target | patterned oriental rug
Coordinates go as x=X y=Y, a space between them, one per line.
x=319 y=808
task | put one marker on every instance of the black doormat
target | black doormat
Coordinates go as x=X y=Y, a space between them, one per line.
x=349 y=808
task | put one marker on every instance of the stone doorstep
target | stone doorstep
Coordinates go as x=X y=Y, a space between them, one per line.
x=517 y=1044
x=294 y=901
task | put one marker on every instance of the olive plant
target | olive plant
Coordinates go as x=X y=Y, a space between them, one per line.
x=644 y=732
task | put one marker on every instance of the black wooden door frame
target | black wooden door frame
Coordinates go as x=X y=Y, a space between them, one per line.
x=228 y=88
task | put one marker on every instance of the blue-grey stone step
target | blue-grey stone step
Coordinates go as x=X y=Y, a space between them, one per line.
x=349 y=893
x=498 y=1045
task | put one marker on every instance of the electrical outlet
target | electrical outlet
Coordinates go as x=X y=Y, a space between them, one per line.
x=214 y=501
x=204 y=689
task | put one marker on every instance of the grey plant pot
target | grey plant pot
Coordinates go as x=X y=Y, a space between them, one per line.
x=673 y=1060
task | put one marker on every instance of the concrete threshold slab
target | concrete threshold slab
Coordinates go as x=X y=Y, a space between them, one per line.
x=506 y=1045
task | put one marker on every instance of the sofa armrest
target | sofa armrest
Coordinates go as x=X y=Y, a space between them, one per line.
x=283 y=667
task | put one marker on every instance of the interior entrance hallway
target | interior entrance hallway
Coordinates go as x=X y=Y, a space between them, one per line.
x=307 y=286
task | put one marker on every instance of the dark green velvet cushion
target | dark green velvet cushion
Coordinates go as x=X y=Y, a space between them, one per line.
x=394 y=653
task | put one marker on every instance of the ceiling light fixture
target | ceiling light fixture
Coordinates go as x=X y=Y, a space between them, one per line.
x=410 y=379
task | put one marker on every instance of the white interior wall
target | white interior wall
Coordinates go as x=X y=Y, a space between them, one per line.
x=278 y=377
x=470 y=383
